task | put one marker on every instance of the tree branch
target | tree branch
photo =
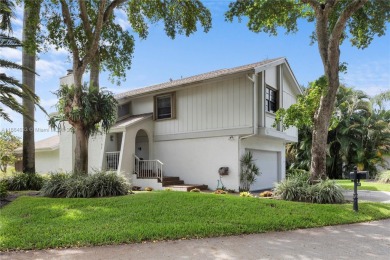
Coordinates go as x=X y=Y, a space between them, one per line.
x=84 y=18
x=96 y=34
x=71 y=36
x=343 y=18
x=110 y=9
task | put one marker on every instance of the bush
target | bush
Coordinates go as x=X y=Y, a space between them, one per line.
x=25 y=181
x=297 y=188
x=100 y=184
x=246 y=194
x=219 y=191
x=56 y=185
x=195 y=190
x=326 y=191
x=168 y=189
x=384 y=177
x=3 y=190
x=148 y=189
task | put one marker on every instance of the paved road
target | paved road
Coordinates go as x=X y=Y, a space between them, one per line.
x=356 y=241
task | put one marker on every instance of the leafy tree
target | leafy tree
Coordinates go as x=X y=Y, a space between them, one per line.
x=359 y=133
x=88 y=30
x=8 y=144
x=335 y=21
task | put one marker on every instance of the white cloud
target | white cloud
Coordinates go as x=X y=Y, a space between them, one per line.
x=49 y=103
x=372 y=77
x=11 y=54
x=47 y=69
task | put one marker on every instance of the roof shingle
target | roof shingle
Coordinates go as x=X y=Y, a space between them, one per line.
x=193 y=79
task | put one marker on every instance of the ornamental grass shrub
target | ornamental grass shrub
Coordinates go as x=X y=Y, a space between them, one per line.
x=384 y=177
x=99 y=184
x=3 y=190
x=298 y=188
x=25 y=181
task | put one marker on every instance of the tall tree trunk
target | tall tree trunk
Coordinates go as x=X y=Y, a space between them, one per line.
x=95 y=71
x=28 y=79
x=81 y=151
x=81 y=148
x=324 y=113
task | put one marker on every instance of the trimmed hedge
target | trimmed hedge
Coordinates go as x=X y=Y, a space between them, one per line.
x=25 y=181
x=100 y=184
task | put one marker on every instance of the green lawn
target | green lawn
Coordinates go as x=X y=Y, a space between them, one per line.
x=37 y=222
x=366 y=185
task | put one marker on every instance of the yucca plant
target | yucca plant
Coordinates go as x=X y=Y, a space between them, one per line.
x=326 y=191
x=248 y=172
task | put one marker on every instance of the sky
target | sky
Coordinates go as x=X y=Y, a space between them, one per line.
x=159 y=59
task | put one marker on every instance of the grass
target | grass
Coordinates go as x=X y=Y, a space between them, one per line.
x=38 y=222
x=366 y=185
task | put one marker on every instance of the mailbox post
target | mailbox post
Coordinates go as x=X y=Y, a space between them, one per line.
x=355 y=176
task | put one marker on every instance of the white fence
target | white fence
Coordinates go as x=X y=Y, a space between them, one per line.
x=148 y=169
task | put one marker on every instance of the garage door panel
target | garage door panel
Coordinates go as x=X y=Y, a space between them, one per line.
x=267 y=161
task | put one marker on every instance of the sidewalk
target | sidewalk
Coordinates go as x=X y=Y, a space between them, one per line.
x=356 y=241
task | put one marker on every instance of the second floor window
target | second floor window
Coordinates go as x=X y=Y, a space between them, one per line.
x=270 y=100
x=165 y=106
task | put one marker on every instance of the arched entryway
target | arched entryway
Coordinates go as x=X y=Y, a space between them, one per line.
x=142 y=145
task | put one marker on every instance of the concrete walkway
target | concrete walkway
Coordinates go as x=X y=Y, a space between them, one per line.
x=356 y=241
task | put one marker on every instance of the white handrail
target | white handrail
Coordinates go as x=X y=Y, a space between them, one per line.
x=112 y=161
x=148 y=169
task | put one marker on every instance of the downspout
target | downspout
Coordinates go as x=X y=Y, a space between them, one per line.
x=255 y=106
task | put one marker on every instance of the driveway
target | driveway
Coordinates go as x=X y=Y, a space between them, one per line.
x=356 y=241
x=376 y=196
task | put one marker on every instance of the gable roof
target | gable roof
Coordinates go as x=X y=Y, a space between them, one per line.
x=199 y=78
x=47 y=144
x=129 y=121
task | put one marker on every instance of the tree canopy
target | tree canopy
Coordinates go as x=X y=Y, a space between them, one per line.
x=335 y=20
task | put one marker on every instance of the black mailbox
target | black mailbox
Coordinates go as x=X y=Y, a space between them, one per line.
x=356 y=176
x=360 y=175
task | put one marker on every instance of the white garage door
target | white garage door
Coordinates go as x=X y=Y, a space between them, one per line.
x=268 y=164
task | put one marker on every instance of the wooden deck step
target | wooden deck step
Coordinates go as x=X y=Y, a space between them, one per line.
x=166 y=183
x=187 y=187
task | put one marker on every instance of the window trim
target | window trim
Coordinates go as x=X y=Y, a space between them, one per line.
x=268 y=101
x=126 y=115
x=172 y=96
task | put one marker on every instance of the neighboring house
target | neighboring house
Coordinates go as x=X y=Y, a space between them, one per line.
x=189 y=128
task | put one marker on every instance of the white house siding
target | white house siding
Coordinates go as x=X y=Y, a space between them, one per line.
x=95 y=152
x=47 y=161
x=196 y=161
x=269 y=156
x=67 y=144
x=142 y=105
x=289 y=98
x=128 y=146
x=224 y=104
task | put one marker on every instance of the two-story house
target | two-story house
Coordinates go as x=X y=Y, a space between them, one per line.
x=191 y=127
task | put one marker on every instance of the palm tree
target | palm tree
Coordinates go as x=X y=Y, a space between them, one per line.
x=30 y=27
x=11 y=88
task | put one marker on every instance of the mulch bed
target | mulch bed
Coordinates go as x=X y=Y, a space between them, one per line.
x=12 y=196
